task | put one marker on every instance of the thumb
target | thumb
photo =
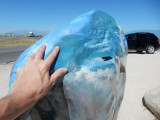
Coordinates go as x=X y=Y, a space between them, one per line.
x=57 y=74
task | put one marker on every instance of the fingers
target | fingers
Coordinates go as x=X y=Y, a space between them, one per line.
x=52 y=56
x=57 y=74
x=40 y=52
x=30 y=58
x=32 y=55
x=19 y=71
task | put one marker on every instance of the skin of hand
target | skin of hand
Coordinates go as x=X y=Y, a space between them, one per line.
x=32 y=82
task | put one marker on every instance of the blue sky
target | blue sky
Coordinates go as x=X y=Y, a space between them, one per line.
x=47 y=15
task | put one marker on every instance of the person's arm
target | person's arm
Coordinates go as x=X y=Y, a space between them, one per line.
x=14 y=105
x=32 y=83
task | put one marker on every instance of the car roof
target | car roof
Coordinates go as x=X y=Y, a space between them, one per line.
x=143 y=33
x=139 y=33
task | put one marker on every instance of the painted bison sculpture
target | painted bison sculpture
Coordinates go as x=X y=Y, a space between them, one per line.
x=94 y=49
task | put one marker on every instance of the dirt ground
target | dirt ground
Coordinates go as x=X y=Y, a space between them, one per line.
x=143 y=74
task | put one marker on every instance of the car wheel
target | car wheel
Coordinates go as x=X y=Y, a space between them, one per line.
x=150 y=49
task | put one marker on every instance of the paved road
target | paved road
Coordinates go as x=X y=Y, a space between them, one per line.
x=9 y=54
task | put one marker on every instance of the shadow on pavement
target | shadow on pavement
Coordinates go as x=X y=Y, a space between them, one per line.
x=143 y=53
x=136 y=53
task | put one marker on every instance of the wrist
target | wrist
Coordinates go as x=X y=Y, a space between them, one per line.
x=28 y=99
x=14 y=104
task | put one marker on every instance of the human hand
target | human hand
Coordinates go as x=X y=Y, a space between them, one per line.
x=33 y=80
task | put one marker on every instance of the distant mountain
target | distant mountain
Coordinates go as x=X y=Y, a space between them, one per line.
x=25 y=32
x=2 y=33
x=156 y=32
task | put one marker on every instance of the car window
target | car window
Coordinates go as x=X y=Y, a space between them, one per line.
x=143 y=36
x=131 y=37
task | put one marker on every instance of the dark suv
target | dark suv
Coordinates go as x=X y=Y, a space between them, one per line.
x=143 y=42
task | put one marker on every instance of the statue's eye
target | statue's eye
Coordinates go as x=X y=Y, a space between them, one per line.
x=106 y=58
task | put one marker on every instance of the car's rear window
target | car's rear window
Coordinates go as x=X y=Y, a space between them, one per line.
x=143 y=36
x=154 y=36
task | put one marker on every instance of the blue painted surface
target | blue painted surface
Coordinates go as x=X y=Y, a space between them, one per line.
x=93 y=88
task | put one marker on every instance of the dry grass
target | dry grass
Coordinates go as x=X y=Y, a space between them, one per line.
x=4 y=37
x=18 y=42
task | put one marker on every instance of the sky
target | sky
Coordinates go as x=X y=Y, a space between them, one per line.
x=48 y=15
